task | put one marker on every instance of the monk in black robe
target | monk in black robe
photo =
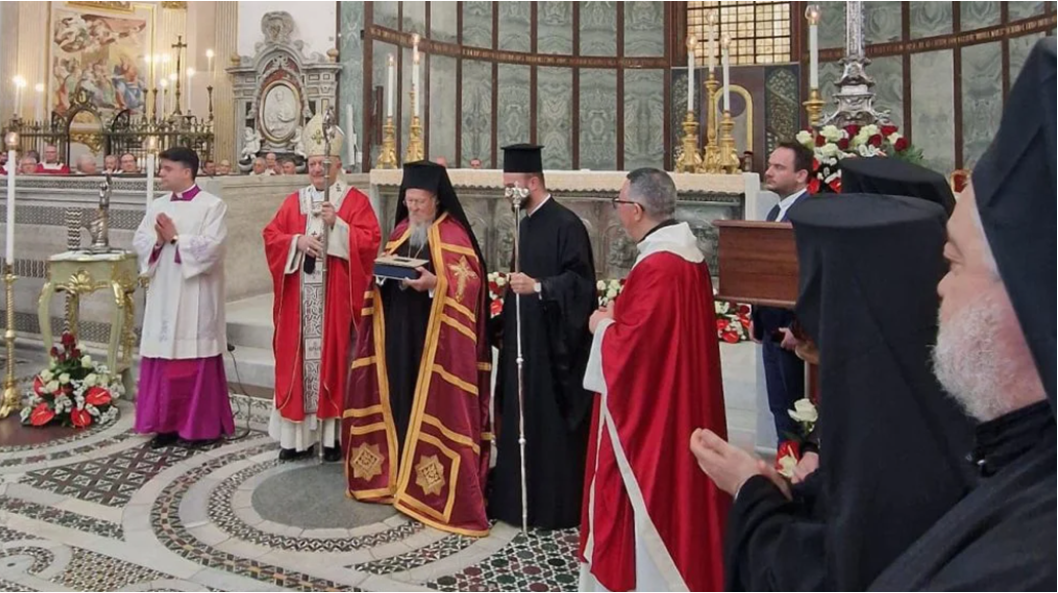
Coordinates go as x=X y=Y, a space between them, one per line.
x=557 y=289
x=891 y=442
x=996 y=355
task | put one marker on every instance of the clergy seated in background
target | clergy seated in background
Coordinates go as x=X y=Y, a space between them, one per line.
x=996 y=355
x=288 y=166
x=272 y=163
x=260 y=167
x=111 y=164
x=652 y=520
x=209 y=168
x=51 y=165
x=27 y=165
x=224 y=167
x=86 y=165
x=129 y=166
x=182 y=391
x=416 y=423
x=314 y=331
x=556 y=287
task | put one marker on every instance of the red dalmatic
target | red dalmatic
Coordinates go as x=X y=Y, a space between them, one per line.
x=660 y=364
x=346 y=282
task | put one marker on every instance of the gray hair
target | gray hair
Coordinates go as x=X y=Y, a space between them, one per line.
x=654 y=190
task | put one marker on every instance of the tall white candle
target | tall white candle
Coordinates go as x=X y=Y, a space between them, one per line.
x=391 y=86
x=190 y=75
x=691 y=43
x=209 y=65
x=12 y=169
x=726 y=62
x=812 y=14
x=710 y=47
x=417 y=99
x=150 y=178
x=349 y=148
x=20 y=83
x=164 y=85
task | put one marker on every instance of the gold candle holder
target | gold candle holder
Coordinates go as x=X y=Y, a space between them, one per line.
x=11 y=400
x=728 y=158
x=814 y=107
x=690 y=161
x=415 y=149
x=387 y=157
x=711 y=154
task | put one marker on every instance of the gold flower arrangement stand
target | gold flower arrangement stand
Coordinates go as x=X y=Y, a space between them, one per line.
x=79 y=273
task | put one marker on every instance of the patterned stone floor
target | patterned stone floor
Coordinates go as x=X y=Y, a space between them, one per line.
x=101 y=511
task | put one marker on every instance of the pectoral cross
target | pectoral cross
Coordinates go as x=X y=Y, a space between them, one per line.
x=178 y=46
x=463 y=273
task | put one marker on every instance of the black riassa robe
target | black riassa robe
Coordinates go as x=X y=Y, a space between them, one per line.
x=1002 y=535
x=407 y=315
x=556 y=251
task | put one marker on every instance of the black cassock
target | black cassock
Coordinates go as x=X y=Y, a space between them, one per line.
x=407 y=314
x=1002 y=535
x=555 y=250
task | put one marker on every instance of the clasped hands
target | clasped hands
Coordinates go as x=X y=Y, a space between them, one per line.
x=165 y=229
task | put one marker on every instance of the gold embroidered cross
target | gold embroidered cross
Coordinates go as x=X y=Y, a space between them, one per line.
x=366 y=462
x=430 y=474
x=463 y=273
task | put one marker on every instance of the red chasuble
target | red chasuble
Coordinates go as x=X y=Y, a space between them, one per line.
x=644 y=493
x=346 y=281
x=440 y=477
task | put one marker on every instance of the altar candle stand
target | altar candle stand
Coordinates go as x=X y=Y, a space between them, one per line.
x=10 y=401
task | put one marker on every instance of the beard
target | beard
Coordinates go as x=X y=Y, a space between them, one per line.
x=420 y=234
x=970 y=362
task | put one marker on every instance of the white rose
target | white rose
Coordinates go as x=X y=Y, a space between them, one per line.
x=804 y=411
x=46 y=375
x=52 y=386
x=611 y=293
x=502 y=280
x=600 y=286
x=787 y=464
x=804 y=137
x=86 y=361
x=64 y=378
x=831 y=133
x=91 y=379
x=893 y=138
x=829 y=150
x=869 y=130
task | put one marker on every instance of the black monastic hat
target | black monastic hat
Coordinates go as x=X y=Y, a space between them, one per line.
x=1014 y=186
x=895 y=177
x=432 y=177
x=522 y=158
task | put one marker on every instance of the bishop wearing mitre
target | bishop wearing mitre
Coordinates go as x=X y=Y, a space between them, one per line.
x=316 y=314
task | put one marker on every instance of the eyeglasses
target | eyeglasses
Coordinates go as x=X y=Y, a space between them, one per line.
x=615 y=201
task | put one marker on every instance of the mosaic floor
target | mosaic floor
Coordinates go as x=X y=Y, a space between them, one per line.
x=99 y=510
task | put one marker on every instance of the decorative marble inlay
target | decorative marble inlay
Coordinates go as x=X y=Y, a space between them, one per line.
x=91 y=571
x=881 y=22
x=385 y=14
x=413 y=16
x=598 y=121
x=515 y=26
x=933 y=121
x=977 y=14
x=929 y=19
x=831 y=25
x=598 y=21
x=554 y=115
x=477 y=24
x=443 y=104
x=644 y=121
x=554 y=27
x=644 y=29
x=1024 y=10
x=543 y=561
x=888 y=73
x=512 y=103
x=782 y=110
x=444 y=21
x=351 y=54
x=60 y=517
x=982 y=103
x=477 y=110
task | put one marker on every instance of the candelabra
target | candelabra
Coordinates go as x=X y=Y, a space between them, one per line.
x=415 y=148
x=387 y=157
x=711 y=154
x=690 y=161
x=814 y=107
x=728 y=159
x=11 y=399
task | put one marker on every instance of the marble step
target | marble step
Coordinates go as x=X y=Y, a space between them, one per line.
x=250 y=322
x=250 y=370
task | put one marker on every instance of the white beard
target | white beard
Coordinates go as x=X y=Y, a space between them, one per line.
x=970 y=363
x=420 y=234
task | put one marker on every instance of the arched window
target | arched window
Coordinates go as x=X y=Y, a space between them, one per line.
x=759 y=31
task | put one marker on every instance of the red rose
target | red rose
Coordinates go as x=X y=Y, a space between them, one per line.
x=787 y=448
x=38 y=386
x=820 y=141
x=80 y=418
x=901 y=145
x=496 y=307
x=76 y=354
x=852 y=130
x=97 y=396
x=875 y=140
x=721 y=324
x=843 y=144
x=745 y=321
x=815 y=164
x=836 y=185
x=743 y=310
x=813 y=185
x=888 y=131
x=68 y=339
x=41 y=415
x=54 y=352
x=730 y=337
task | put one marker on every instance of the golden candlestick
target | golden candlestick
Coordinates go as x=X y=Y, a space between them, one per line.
x=11 y=400
x=690 y=161
x=415 y=145
x=728 y=159
x=711 y=154
x=814 y=107
x=387 y=157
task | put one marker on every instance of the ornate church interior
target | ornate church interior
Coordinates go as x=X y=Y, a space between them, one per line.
x=96 y=96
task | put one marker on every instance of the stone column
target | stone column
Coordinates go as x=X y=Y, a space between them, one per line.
x=8 y=58
x=225 y=45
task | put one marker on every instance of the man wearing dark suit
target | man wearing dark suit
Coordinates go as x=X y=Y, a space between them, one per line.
x=789 y=168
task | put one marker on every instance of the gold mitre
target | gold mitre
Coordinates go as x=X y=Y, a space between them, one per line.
x=312 y=136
